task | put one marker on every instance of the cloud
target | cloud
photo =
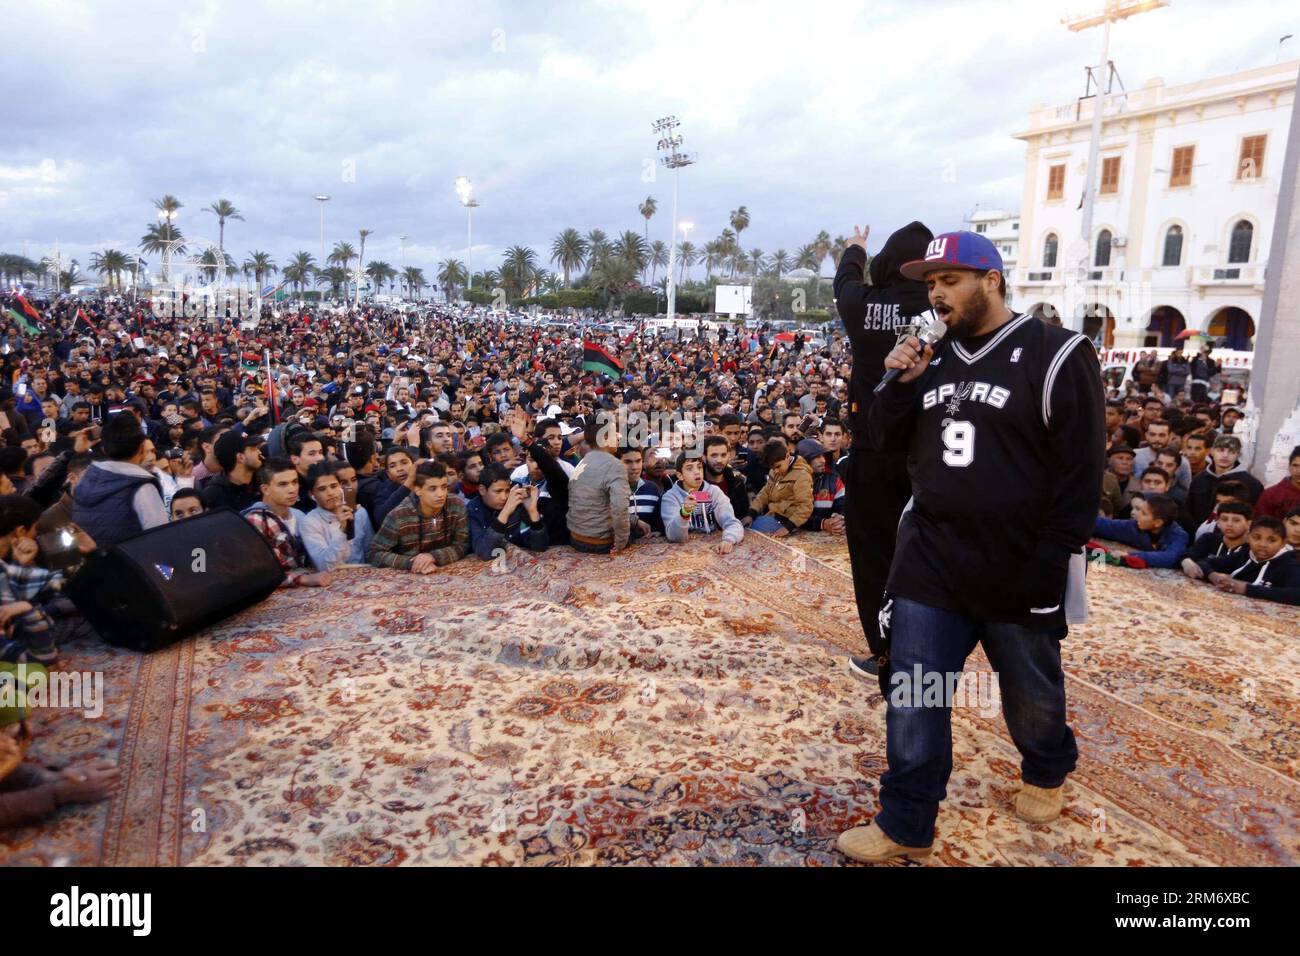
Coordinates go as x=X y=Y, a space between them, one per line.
x=815 y=115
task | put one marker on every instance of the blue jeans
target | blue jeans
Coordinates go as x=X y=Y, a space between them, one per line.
x=919 y=737
x=766 y=524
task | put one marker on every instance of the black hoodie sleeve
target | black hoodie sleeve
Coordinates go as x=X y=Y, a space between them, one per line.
x=1075 y=406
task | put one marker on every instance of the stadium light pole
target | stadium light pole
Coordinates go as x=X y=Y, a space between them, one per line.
x=322 y=200
x=674 y=160
x=465 y=189
x=686 y=228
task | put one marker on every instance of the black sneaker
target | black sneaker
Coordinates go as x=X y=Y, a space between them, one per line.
x=866 y=668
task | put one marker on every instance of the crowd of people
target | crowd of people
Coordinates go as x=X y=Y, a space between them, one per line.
x=412 y=440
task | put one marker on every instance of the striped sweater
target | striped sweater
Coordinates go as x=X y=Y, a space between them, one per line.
x=407 y=533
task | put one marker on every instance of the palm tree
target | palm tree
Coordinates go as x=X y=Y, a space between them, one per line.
x=155 y=238
x=223 y=209
x=822 y=247
x=648 y=209
x=380 y=273
x=757 y=261
x=658 y=258
x=414 y=279
x=727 y=249
x=632 y=249
x=517 y=268
x=613 y=276
x=780 y=262
x=712 y=257
x=70 y=276
x=807 y=258
x=335 y=276
x=260 y=264
x=488 y=279
x=686 y=257
x=112 y=263
x=300 y=269
x=569 y=251
x=168 y=206
x=451 y=276
x=597 y=247
x=739 y=219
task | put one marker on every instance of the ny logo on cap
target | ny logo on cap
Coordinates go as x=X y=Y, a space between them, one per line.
x=936 y=248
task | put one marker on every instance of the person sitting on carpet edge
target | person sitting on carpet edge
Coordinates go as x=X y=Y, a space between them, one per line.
x=428 y=530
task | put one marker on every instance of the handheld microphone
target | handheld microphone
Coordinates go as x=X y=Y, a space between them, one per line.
x=930 y=334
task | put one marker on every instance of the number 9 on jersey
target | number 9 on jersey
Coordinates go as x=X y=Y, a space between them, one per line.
x=959 y=444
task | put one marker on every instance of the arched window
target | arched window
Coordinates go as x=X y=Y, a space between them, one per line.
x=1049 y=251
x=1173 y=246
x=1101 y=258
x=1239 y=247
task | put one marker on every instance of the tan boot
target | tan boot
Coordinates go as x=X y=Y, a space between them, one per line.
x=869 y=844
x=1040 y=805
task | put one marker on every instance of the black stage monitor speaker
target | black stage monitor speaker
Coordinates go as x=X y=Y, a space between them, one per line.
x=168 y=582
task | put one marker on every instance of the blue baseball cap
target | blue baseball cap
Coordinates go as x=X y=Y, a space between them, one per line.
x=955 y=250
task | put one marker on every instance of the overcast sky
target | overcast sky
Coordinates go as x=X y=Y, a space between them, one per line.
x=815 y=115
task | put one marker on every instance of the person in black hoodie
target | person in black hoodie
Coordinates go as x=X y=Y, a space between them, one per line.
x=877 y=486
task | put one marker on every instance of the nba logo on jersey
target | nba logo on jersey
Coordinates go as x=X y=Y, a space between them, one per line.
x=1015 y=356
x=937 y=248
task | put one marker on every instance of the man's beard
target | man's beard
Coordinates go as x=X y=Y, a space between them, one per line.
x=966 y=322
x=711 y=472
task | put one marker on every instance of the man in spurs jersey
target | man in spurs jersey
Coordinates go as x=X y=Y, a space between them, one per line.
x=1003 y=423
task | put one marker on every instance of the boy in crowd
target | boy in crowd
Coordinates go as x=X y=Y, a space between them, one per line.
x=646 y=495
x=598 y=512
x=333 y=532
x=1196 y=450
x=1266 y=569
x=786 y=500
x=695 y=505
x=239 y=456
x=717 y=472
x=1155 y=481
x=1292 y=524
x=1225 y=455
x=1152 y=529
x=397 y=484
x=427 y=530
x=30 y=596
x=30 y=792
x=276 y=519
x=1171 y=463
x=186 y=503
x=1282 y=497
x=118 y=498
x=1226 y=491
x=1158 y=435
x=1232 y=529
x=828 y=490
x=505 y=512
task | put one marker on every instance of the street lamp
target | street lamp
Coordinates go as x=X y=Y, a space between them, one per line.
x=464 y=189
x=322 y=200
x=668 y=143
x=1113 y=12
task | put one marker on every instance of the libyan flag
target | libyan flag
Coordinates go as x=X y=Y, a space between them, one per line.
x=24 y=324
x=595 y=358
x=250 y=362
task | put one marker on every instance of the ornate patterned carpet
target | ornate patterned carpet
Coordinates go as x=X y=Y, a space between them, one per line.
x=670 y=707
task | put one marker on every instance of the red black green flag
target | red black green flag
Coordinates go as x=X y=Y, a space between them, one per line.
x=27 y=308
x=596 y=358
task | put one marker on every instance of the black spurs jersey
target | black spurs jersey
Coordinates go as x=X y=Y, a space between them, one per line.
x=1005 y=437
